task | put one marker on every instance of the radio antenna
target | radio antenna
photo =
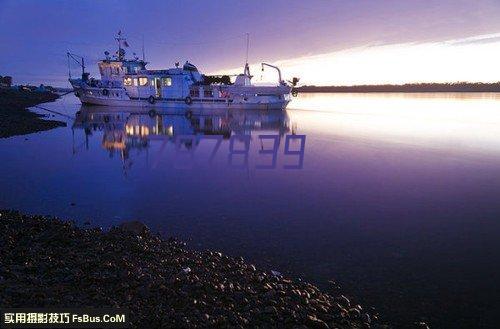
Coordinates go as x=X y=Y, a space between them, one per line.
x=248 y=44
x=143 y=54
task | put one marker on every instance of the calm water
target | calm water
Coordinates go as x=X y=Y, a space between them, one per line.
x=394 y=196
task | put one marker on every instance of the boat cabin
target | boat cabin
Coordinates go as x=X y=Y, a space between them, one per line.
x=173 y=84
x=158 y=83
x=115 y=70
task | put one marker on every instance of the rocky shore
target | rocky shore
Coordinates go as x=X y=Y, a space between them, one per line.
x=16 y=119
x=49 y=262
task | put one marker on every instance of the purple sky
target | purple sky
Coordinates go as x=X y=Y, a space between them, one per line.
x=35 y=35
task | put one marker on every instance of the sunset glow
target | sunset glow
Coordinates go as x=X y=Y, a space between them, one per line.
x=473 y=59
x=322 y=42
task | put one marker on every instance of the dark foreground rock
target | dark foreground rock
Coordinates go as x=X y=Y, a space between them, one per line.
x=16 y=119
x=48 y=262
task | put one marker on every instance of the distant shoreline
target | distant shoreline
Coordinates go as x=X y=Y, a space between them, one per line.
x=462 y=87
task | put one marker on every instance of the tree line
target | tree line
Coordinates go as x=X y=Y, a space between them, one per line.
x=410 y=87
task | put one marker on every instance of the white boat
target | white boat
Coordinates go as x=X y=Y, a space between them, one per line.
x=127 y=82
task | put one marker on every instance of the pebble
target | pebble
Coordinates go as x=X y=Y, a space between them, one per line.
x=154 y=279
x=343 y=301
x=316 y=323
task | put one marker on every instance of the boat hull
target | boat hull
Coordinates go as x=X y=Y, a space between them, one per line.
x=166 y=104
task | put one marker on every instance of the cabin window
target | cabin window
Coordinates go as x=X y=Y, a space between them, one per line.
x=194 y=92
x=166 y=81
x=127 y=81
x=136 y=82
x=143 y=81
x=208 y=93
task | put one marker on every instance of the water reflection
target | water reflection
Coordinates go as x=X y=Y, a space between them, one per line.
x=397 y=200
x=449 y=123
x=123 y=131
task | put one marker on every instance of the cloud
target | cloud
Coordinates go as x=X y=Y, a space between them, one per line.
x=484 y=38
x=467 y=59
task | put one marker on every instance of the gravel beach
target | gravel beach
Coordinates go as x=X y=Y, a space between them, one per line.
x=49 y=262
x=16 y=119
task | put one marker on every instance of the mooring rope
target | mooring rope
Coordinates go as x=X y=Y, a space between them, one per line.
x=55 y=112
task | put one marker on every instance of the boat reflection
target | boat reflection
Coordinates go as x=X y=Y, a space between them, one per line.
x=123 y=130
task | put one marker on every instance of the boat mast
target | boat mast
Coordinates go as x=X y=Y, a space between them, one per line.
x=247 y=68
x=80 y=62
x=248 y=43
x=143 y=54
x=121 y=52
